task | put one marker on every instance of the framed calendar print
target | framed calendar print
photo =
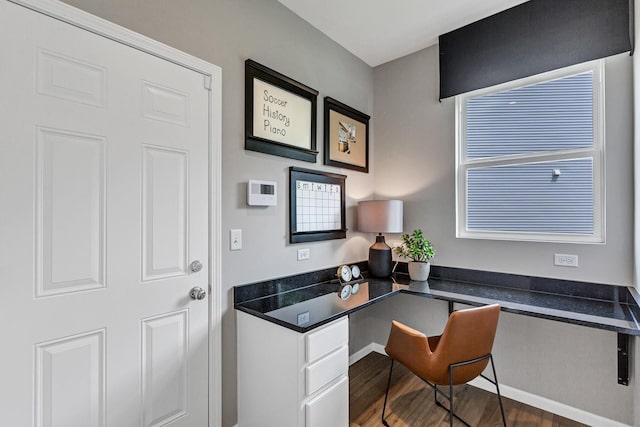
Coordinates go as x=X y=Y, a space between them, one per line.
x=316 y=205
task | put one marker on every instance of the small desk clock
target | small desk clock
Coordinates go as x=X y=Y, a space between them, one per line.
x=350 y=278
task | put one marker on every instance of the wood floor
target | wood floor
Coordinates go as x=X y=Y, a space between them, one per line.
x=411 y=401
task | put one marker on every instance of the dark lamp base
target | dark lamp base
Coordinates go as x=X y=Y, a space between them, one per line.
x=380 y=258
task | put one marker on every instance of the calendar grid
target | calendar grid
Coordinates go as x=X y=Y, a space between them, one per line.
x=318 y=206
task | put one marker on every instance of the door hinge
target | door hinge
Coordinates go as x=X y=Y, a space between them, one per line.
x=207 y=82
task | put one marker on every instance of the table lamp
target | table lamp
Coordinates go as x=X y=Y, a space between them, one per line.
x=380 y=216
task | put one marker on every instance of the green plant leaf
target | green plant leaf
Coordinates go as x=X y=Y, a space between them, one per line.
x=416 y=247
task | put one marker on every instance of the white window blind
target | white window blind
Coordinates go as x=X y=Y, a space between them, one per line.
x=528 y=198
x=530 y=159
x=553 y=115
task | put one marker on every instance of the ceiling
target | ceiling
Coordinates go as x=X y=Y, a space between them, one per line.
x=379 y=31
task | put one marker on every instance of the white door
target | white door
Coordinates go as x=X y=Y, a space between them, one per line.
x=104 y=206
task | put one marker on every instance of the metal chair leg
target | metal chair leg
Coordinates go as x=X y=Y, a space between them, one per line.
x=504 y=420
x=452 y=414
x=386 y=394
x=451 y=396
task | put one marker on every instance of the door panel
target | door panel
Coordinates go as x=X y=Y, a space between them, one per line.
x=70 y=232
x=70 y=79
x=165 y=211
x=63 y=402
x=164 y=361
x=104 y=184
x=165 y=104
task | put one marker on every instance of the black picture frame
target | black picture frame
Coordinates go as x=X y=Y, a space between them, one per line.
x=326 y=182
x=258 y=76
x=345 y=148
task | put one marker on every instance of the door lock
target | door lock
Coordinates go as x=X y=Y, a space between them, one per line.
x=196 y=266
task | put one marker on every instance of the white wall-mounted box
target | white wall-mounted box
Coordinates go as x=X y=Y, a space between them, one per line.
x=262 y=193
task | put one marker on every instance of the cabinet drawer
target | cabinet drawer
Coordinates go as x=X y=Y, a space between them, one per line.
x=327 y=339
x=327 y=369
x=331 y=408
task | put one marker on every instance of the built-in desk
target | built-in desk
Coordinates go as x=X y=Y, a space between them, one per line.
x=288 y=300
x=613 y=308
x=293 y=330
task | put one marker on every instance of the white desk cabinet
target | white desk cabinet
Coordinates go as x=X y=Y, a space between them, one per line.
x=291 y=379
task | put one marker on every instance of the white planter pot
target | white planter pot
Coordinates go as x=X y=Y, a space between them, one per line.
x=419 y=271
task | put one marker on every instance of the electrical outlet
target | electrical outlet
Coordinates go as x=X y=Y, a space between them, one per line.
x=303 y=318
x=303 y=254
x=565 y=260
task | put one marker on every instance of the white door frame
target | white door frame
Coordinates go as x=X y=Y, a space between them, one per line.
x=212 y=77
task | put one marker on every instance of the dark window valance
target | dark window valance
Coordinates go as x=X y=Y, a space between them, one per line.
x=531 y=38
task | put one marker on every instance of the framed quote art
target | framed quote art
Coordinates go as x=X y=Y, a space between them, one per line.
x=346 y=136
x=280 y=114
x=316 y=205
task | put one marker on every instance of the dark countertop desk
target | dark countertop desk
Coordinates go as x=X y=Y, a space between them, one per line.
x=304 y=302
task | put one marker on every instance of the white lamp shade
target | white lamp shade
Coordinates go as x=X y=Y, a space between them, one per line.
x=380 y=216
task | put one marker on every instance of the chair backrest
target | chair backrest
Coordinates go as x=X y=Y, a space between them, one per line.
x=469 y=334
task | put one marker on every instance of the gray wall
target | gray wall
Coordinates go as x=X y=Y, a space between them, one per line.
x=415 y=160
x=225 y=33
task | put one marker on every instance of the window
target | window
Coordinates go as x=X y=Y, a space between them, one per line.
x=530 y=158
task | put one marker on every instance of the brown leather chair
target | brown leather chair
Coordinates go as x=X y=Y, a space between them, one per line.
x=457 y=356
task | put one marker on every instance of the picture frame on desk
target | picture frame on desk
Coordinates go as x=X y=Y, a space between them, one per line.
x=346 y=136
x=280 y=114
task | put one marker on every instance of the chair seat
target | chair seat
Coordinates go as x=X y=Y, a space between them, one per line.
x=468 y=335
x=460 y=354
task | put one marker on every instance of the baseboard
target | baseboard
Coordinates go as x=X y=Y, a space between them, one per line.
x=530 y=399
x=548 y=405
x=373 y=347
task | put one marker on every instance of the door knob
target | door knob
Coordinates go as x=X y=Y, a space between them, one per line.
x=196 y=266
x=198 y=293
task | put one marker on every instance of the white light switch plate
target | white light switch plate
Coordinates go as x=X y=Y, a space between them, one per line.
x=235 y=240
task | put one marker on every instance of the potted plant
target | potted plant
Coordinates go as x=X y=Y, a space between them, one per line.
x=420 y=250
